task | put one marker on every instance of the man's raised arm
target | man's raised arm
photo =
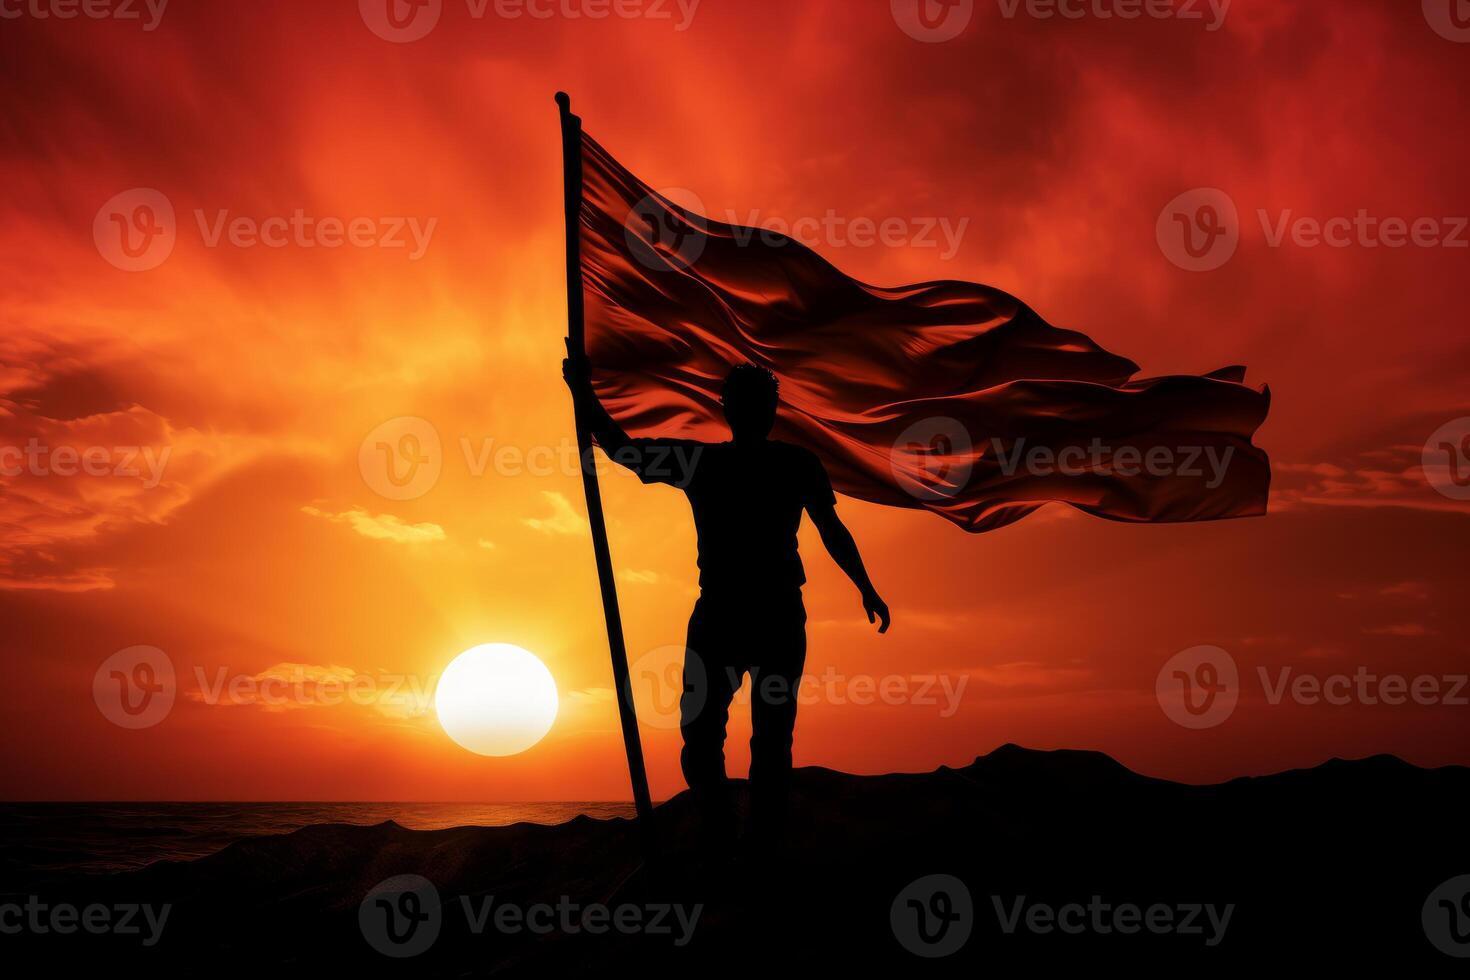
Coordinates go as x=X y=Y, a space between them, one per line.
x=576 y=370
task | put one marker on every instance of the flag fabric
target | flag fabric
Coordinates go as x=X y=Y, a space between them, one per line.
x=949 y=396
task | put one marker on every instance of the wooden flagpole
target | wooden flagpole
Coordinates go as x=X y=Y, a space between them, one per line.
x=571 y=147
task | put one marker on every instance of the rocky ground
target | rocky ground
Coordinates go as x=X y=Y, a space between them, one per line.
x=1021 y=860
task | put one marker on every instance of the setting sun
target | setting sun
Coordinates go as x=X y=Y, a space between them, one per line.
x=496 y=699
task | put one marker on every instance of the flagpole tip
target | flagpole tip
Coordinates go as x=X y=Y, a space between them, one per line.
x=565 y=101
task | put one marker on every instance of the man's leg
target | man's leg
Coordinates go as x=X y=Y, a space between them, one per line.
x=704 y=709
x=775 y=686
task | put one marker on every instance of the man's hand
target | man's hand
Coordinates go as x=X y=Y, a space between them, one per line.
x=576 y=371
x=874 y=606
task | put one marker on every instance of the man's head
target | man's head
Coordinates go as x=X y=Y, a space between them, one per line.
x=749 y=395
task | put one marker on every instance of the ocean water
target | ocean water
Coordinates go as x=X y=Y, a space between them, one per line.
x=42 y=840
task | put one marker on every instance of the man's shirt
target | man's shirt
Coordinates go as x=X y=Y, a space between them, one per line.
x=747 y=501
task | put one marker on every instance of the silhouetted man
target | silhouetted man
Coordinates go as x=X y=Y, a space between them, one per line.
x=747 y=496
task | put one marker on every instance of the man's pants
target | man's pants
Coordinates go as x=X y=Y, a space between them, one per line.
x=729 y=637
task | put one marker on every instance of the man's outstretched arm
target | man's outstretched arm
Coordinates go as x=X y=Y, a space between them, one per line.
x=844 y=551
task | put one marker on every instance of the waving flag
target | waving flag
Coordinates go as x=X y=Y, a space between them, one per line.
x=950 y=396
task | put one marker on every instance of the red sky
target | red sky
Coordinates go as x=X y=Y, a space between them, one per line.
x=254 y=373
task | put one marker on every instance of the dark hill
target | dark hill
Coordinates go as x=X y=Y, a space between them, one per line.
x=1314 y=868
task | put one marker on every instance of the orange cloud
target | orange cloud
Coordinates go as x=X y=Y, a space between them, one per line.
x=381 y=527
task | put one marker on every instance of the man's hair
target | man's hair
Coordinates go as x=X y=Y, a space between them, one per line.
x=750 y=383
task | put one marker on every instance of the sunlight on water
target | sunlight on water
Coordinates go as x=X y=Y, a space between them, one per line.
x=40 y=838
